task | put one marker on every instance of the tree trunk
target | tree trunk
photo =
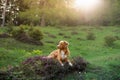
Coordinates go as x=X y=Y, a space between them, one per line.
x=42 y=21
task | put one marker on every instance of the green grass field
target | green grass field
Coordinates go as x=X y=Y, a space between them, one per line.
x=13 y=52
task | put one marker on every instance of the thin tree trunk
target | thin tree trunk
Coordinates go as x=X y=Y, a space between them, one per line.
x=4 y=13
x=42 y=21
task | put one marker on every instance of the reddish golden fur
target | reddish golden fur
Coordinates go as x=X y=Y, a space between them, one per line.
x=62 y=53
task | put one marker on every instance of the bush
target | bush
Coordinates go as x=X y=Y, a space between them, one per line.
x=90 y=36
x=36 y=34
x=28 y=34
x=109 y=40
x=41 y=68
x=19 y=32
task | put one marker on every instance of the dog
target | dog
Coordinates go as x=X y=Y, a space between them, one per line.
x=62 y=53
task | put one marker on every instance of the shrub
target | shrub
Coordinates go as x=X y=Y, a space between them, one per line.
x=36 y=34
x=28 y=35
x=4 y=35
x=109 y=40
x=42 y=68
x=90 y=36
x=18 y=32
x=9 y=29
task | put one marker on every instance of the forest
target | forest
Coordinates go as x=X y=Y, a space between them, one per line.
x=60 y=12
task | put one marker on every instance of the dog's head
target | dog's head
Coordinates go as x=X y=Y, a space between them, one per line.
x=62 y=45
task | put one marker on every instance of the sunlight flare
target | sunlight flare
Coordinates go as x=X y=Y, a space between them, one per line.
x=86 y=4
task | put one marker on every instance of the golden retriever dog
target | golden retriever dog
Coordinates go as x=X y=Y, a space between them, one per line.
x=62 y=53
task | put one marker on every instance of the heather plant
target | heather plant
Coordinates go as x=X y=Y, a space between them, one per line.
x=49 y=68
x=42 y=68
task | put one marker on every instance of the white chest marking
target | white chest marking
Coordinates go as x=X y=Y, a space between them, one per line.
x=63 y=54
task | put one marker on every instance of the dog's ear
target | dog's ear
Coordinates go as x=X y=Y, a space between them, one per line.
x=58 y=46
x=66 y=42
x=61 y=42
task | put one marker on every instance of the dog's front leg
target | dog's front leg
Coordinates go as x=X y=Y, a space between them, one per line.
x=60 y=61
x=69 y=62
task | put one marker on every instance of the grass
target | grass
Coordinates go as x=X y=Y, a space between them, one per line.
x=13 y=52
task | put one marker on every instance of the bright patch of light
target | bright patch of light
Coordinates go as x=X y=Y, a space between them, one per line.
x=86 y=4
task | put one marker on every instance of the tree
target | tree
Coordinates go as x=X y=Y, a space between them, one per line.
x=45 y=12
x=9 y=10
x=59 y=12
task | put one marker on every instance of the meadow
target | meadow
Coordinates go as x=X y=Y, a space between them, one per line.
x=13 y=52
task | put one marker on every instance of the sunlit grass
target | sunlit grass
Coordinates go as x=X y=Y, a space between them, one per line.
x=100 y=57
x=93 y=51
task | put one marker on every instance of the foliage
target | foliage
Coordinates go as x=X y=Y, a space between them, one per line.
x=15 y=52
x=38 y=52
x=27 y=34
x=17 y=33
x=36 y=34
x=46 y=69
x=60 y=12
x=109 y=40
x=40 y=68
x=55 y=12
x=115 y=70
x=90 y=36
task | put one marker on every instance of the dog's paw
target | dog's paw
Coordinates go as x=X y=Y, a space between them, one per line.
x=71 y=64
x=62 y=64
